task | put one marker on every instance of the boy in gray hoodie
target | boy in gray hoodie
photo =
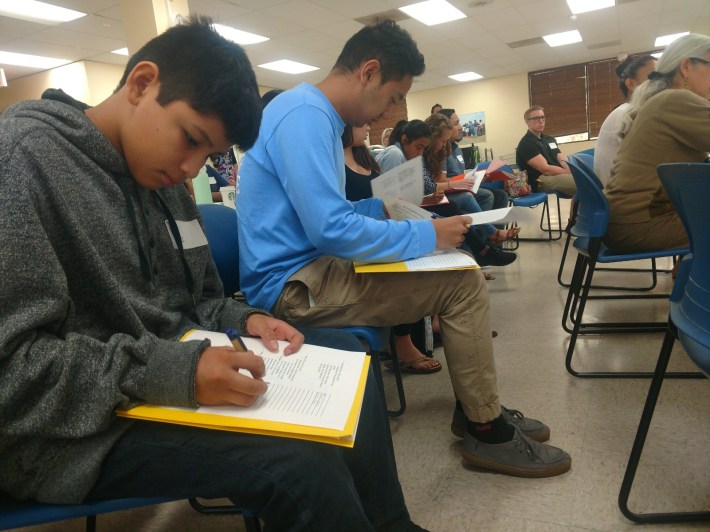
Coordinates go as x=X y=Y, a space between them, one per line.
x=104 y=266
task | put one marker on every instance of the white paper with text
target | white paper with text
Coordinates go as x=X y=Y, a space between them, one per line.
x=445 y=259
x=405 y=182
x=315 y=386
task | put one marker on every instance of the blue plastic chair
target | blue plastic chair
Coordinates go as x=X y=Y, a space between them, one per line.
x=533 y=200
x=16 y=514
x=590 y=228
x=585 y=163
x=223 y=237
x=377 y=339
x=687 y=186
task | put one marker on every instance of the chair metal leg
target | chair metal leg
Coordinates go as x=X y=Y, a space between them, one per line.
x=563 y=260
x=639 y=441
x=549 y=230
x=251 y=521
x=573 y=293
x=90 y=523
x=570 y=223
x=398 y=381
x=573 y=313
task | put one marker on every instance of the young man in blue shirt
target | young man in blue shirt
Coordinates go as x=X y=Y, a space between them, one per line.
x=299 y=235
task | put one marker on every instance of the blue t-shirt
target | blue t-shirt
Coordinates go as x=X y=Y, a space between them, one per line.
x=291 y=203
x=455 y=164
x=391 y=157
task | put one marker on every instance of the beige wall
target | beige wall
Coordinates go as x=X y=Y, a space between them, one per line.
x=86 y=81
x=103 y=79
x=504 y=100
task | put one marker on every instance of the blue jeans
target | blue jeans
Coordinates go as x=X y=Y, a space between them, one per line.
x=467 y=203
x=291 y=484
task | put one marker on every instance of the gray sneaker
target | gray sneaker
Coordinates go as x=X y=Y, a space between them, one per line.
x=520 y=457
x=532 y=428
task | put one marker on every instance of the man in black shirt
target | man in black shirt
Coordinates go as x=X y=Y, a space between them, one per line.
x=540 y=156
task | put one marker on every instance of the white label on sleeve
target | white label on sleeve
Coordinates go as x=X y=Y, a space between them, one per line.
x=191 y=234
x=553 y=145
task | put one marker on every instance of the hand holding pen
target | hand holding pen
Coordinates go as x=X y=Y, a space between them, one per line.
x=218 y=380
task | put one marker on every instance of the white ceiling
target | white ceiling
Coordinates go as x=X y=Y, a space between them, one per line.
x=314 y=31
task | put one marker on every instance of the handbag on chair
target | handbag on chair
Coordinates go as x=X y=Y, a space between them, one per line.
x=518 y=185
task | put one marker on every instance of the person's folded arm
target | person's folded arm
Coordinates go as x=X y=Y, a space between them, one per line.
x=541 y=165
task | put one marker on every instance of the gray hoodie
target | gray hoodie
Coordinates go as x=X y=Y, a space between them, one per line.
x=93 y=297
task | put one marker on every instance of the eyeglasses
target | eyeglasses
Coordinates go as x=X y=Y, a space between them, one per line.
x=536 y=119
x=700 y=60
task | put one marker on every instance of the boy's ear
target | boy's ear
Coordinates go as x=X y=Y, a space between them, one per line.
x=369 y=70
x=143 y=75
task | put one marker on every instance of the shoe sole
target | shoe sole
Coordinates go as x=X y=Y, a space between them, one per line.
x=551 y=471
x=540 y=437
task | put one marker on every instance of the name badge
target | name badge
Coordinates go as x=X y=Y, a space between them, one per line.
x=460 y=158
x=191 y=234
x=553 y=145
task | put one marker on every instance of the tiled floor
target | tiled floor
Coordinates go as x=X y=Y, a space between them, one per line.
x=594 y=420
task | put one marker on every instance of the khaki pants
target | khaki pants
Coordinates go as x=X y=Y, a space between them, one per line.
x=660 y=232
x=328 y=293
x=561 y=183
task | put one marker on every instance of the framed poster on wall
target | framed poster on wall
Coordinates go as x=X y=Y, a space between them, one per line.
x=474 y=127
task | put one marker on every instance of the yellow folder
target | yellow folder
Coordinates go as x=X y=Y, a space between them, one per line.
x=232 y=422
x=443 y=260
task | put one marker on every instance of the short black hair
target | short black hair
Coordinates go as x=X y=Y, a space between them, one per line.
x=396 y=132
x=386 y=42
x=447 y=112
x=268 y=96
x=414 y=129
x=208 y=72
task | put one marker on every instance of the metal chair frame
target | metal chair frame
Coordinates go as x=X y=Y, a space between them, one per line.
x=16 y=514
x=686 y=185
x=593 y=215
x=585 y=161
x=642 y=432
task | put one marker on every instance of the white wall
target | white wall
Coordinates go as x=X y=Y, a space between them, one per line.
x=504 y=100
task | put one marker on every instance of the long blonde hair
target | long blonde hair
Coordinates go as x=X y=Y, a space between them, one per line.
x=438 y=123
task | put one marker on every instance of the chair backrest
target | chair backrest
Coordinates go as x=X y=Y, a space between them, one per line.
x=593 y=210
x=588 y=151
x=221 y=231
x=586 y=162
x=687 y=186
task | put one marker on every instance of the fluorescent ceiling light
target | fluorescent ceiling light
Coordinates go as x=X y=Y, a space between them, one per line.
x=433 y=12
x=665 y=40
x=34 y=61
x=37 y=11
x=120 y=51
x=288 y=66
x=583 y=6
x=466 y=76
x=560 y=39
x=238 y=36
